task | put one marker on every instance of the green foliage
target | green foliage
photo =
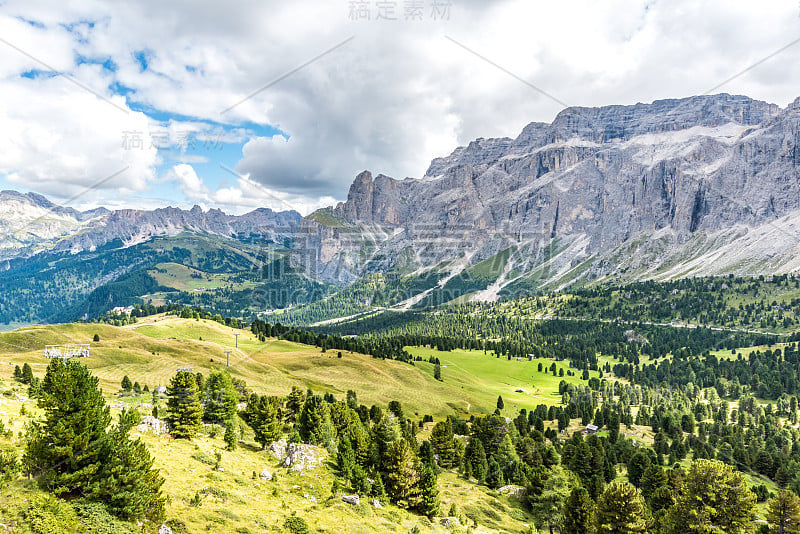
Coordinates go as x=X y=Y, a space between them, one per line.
x=184 y=411
x=264 y=416
x=220 y=398
x=713 y=498
x=295 y=524
x=783 y=513
x=65 y=450
x=429 y=492
x=126 y=383
x=444 y=443
x=230 y=438
x=9 y=465
x=314 y=423
x=579 y=513
x=401 y=474
x=46 y=514
x=72 y=452
x=621 y=509
x=27 y=373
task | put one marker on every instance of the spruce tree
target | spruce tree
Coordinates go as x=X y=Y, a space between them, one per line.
x=64 y=450
x=27 y=373
x=429 y=492
x=621 y=509
x=653 y=478
x=126 y=383
x=500 y=403
x=230 y=435
x=17 y=373
x=184 y=411
x=71 y=451
x=579 y=513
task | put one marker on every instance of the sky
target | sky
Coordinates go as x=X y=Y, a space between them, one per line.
x=262 y=103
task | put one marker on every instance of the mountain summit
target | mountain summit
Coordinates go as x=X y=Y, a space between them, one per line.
x=694 y=186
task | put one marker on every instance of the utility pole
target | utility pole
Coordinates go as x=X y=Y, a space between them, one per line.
x=237 y=339
x=228 y=360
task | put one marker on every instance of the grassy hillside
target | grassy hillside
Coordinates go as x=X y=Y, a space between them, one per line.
x=150 y=351
x=231 y=499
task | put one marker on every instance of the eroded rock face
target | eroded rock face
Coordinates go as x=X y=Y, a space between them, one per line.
x=656 y=178
x=303 y=457
x=278 y=449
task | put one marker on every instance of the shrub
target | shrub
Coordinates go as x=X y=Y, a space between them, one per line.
x=296 y=525
x=9 y=466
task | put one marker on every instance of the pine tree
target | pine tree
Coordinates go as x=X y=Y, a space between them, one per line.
x=126 y=383
x=494 y=476
x=401 y=474
x=27 y=373
x=500 y=403
x=72 y=452
x=653 y=478
x=128 y=485
x=475 y=457
x=621 y=509
x=220 y=398
x=184 y=411
x=783 y=513
x=637 y=465
x=294 y=403
x=579 y=513
x=548 y=506
x=264 y=417
x=17 y=373
x=230 y=435
x=443 y=443
x=314 y=423
x=437 y=372
x=429 y=492
x=714 y=498
x=64 y=450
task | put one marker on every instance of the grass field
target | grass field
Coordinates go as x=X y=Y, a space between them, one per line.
x=486 y=377
x=150 y=351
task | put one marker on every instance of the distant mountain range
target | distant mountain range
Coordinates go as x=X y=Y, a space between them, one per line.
x=706 y=185
x=31 y=224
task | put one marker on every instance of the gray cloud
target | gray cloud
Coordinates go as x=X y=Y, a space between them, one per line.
x=400 y=93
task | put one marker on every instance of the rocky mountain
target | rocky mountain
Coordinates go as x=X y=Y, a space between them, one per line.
x=30 y=224
x=694 y=186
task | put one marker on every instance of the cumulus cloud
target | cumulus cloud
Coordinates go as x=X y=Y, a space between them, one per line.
x=396 y=95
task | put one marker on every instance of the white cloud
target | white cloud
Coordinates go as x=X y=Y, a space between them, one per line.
x=245 y=196
x=396 y=96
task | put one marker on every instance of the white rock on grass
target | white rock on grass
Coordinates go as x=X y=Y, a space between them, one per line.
x=266 y=475
x=302 y=457
x=152 y=424
x=351 y=499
